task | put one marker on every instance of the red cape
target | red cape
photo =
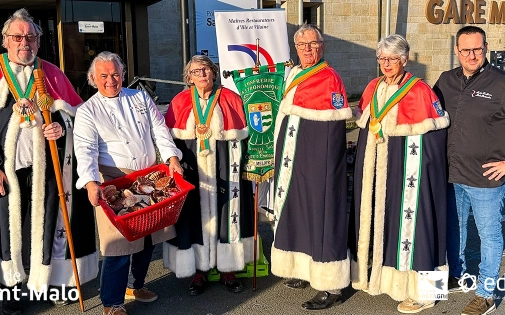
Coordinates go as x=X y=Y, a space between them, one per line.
x=318 y=91
x=419 y=104
x=229 y=102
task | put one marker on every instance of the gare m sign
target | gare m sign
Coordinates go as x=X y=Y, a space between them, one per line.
x=465 y=12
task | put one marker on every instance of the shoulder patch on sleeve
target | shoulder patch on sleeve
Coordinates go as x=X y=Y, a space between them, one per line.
x=438 y=108
x=337 y=100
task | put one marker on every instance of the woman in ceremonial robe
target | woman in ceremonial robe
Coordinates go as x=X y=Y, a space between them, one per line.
x=399 y=213
x=215 y=228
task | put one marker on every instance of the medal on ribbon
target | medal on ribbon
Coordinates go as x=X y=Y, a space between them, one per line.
x=202 y=130
x=24 y=106
x=377 y=115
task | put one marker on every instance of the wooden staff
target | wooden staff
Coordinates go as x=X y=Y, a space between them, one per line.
x=255 y=233
x=226 y=74
x=45 y=101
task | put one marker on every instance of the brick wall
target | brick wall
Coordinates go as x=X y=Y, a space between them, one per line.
x=350 y=33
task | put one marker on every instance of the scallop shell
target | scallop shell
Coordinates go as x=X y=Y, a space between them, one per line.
x=127 y=193
x=130 y=201
x=146 y=189
x=170 y=191
x=154 y=176
x=144 y=200
x=110 y=193
x=163 y=182
x=117 y=204
x=135 y=187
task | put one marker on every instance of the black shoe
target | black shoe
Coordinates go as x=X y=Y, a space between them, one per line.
x=231 y=282
x=58 y=303
x=453 y=285
x=322 y=300
x=11 y=308
x=198 y=284
x=296 y=283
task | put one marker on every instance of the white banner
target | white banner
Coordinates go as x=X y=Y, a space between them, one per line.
x=205 y=25
x=237 y=32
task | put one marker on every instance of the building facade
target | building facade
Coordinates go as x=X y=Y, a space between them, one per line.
x=351 y=31
x=75 y=31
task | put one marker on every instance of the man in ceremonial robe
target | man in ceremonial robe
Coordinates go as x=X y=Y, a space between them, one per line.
x=310 y=245
x=34 y=240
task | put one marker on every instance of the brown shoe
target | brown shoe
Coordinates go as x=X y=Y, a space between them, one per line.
x=479 y=306
x=114 y=310
x=409 y=306
x=141 y=295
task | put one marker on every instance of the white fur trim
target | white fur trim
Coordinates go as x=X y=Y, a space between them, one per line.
x=362 y=117
x=4 y=92
x=317 y=115
x=400 y=285
x=182 y=261
x=87 y=267
x=360 y=278
x=64 y=106
x=322 y=276
x=379 y=214
x=233 y=257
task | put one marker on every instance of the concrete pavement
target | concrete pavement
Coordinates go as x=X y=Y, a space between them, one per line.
x=271 y=296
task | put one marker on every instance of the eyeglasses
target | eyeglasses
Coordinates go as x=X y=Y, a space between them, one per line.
x=476 y=51
x=29 y=38
x=199 y=72
x=392 y=61
x=313 y=44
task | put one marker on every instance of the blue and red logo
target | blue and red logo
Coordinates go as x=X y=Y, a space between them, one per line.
x=250 y=49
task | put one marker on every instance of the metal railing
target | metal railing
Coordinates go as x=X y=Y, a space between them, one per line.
x=149 y=85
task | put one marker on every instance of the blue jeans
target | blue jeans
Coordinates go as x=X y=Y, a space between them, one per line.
x=115 y=269
x=487 y=205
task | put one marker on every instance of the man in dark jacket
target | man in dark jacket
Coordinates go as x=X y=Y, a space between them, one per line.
x=473 y=95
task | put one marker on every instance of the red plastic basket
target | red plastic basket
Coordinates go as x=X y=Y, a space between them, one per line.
x=150 y=219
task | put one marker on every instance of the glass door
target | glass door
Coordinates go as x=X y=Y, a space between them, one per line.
x=89 y=27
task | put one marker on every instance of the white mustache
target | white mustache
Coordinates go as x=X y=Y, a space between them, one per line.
x=25 y=48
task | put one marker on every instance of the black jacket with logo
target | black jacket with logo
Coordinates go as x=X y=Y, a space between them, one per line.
x=476 y=135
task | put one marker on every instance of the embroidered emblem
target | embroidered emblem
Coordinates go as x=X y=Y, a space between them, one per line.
x=286 y=161
x=408 y=215
x=291 y=130
x=481 y=94
x=67 y=195
x=141 y=108
x=406 y=245
x=438 y=108
x=235 y=165
x=69 y=159
x=260 y=116
x=280 y=192
x=235 y=192
x=61 y=233
x=413 y=146
x=69 y=123
x=337 y=100
x=234 y=144
x=411 y=180
x=234 y=216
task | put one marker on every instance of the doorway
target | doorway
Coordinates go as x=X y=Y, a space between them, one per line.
x=81 y=45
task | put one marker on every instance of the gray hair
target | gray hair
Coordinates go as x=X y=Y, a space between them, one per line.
x=307 y=28
x=105 y=56
x=201 y=59
x=394 y=44
x=19 y=15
